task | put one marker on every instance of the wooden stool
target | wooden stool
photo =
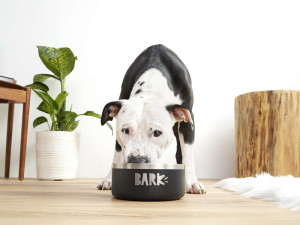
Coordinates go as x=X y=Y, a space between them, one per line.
x=267 y=127
x=12 y=93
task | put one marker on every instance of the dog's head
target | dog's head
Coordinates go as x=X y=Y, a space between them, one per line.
x=144 y=129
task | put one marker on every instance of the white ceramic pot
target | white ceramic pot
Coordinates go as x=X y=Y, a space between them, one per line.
x=57 y=155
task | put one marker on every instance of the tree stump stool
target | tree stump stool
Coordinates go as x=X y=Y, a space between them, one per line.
x=267 y=126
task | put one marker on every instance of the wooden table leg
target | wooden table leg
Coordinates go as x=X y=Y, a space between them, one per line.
x=25 y=118
x=11 y=107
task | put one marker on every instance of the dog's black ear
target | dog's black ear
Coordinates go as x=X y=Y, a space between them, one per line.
x=180 y=113
x=110 y=110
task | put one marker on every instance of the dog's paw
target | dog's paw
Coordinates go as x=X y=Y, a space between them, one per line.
x=196 y=188
x=104 y=185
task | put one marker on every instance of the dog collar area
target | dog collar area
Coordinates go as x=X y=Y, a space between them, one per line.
x=147 y=166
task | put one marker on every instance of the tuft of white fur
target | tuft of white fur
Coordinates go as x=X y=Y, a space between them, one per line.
x=283 y=190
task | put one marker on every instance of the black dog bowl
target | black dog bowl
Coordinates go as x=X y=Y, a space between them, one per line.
x=148 y=182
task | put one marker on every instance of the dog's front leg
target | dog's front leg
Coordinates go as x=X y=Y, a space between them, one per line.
x=186 y=137
x=107 y=182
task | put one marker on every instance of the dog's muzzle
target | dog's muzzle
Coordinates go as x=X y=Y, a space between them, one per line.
x=138 y=159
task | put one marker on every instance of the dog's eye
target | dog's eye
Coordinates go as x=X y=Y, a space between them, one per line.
x=125 y=131
x=157 y=133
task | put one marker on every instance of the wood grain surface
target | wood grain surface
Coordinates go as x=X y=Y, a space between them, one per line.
x=78 y=202
x=12 y=94
x=10 y=121
x=24 y=133
x=267 y=127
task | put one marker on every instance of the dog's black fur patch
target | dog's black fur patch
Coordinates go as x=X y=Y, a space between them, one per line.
x=138 y=91
x=178 y=152
x=106 y=111
x=118 y=146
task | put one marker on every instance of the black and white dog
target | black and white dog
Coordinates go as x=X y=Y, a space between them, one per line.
x=156 y=102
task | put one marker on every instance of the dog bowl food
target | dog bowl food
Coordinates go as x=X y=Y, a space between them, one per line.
x=148 y=182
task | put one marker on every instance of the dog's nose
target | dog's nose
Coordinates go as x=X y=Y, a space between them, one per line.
x=141 y=159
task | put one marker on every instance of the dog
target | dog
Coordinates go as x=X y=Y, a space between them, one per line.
x=155 y=105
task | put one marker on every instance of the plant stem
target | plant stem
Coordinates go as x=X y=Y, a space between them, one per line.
x=48 y=126
x=53 y=126
x=63 y=108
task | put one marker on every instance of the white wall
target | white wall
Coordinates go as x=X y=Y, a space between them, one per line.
x=230 y=47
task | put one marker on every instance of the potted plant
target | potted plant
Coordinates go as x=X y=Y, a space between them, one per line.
x=57 y=149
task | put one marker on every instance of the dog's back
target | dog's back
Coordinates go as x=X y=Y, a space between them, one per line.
x=171 y=67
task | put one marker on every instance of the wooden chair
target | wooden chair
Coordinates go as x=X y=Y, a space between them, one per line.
x=12 y=93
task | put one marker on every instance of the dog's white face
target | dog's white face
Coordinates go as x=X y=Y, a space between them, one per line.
x=144 y=130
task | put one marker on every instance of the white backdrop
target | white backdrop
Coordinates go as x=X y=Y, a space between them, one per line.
x=229 y=47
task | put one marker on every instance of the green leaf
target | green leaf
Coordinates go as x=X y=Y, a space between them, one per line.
x=67 y=114
x=49 y=53
x=60 y=99
x=42 y=77
x=38 y=121
x=38 y=86
x=49 y=57
x=43 y=108
x=72 y=126
x=110 y=127
x=49 y=102
x=66 y=62
x=90 y=113
x=60 y=61
x=65 y=118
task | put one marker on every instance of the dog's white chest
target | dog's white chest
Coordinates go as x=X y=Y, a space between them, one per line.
x=153 y=84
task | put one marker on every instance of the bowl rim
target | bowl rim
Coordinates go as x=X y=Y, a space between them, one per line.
x=147 y=166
